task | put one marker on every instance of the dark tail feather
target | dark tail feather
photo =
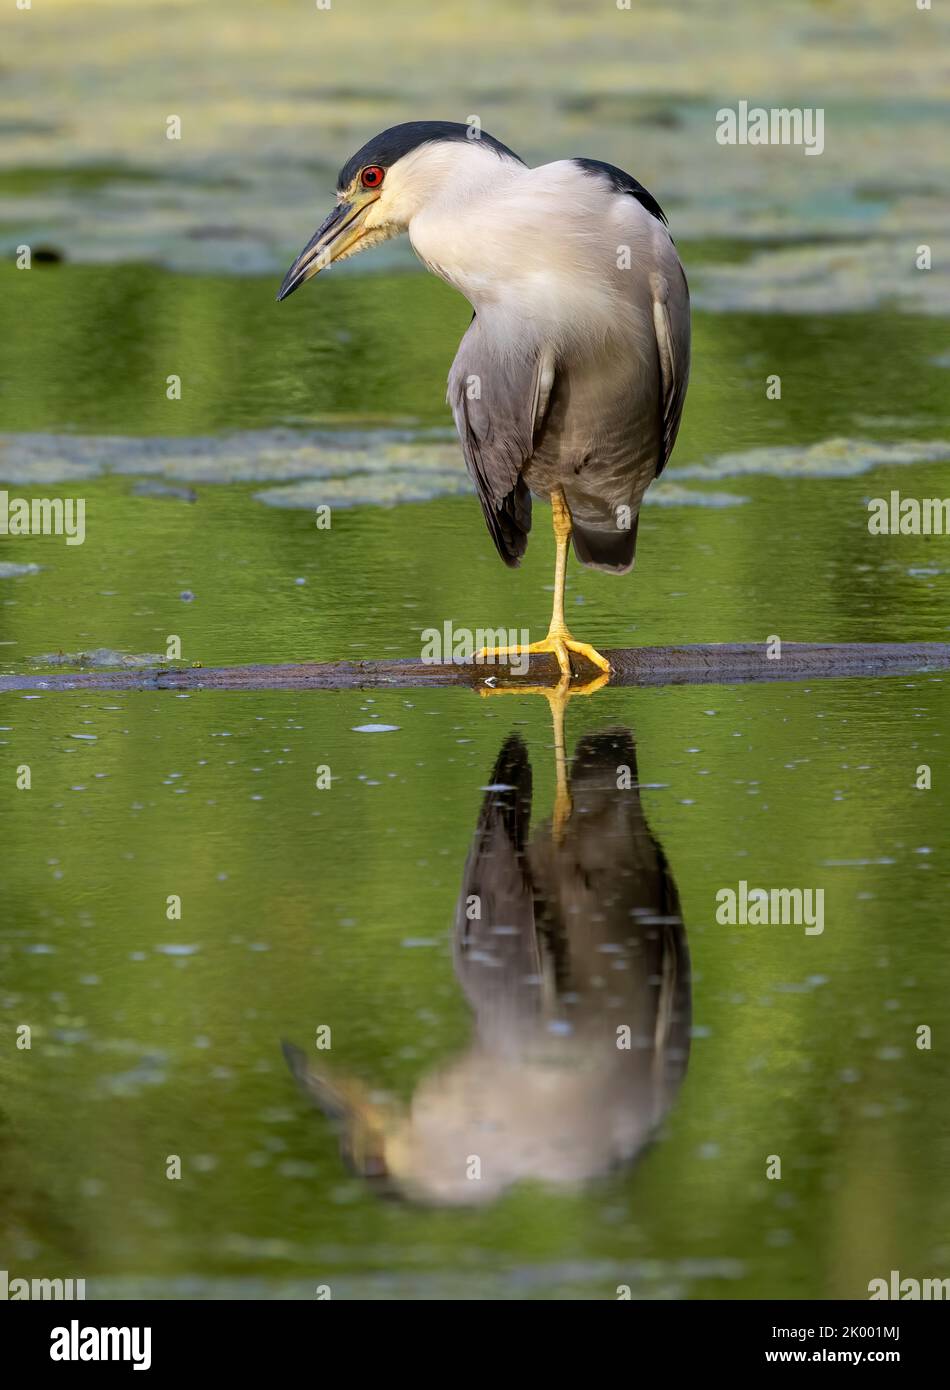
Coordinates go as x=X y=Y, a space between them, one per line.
x=510 y=522
x=611 y=549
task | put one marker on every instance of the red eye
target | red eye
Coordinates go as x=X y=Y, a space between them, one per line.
x=372 y=176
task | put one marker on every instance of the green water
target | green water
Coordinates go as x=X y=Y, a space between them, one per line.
x=303 y=907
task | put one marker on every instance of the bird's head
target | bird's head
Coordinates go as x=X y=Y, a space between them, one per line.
x=394 y=176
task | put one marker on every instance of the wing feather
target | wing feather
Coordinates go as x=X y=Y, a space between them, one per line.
x=671 y=325
x=497 y=409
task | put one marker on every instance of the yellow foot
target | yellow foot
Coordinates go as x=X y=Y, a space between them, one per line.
x=561 y=643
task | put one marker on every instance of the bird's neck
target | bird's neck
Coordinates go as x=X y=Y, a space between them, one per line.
x=461 y=233
x=515 y=245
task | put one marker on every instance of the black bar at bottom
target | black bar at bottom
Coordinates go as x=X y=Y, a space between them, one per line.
x=163 y=1338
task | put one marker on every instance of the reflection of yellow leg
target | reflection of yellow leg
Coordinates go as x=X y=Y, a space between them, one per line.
x=559 y=640
x=563 y=805
x=557 y=697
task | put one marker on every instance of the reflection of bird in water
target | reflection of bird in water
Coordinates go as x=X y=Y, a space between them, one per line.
x=571 y=950
x=570 y=382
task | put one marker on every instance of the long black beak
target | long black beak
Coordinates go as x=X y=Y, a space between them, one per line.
x=329 y=238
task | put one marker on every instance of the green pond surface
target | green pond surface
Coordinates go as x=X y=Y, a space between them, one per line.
x=306 y=906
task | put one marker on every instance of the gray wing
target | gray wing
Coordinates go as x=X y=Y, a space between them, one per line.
x=497 y=408
x=670 y=295
x=672 y=326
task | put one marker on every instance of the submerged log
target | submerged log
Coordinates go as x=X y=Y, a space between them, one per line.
x=702 y=664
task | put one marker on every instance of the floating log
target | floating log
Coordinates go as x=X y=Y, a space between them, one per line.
x=702 y=664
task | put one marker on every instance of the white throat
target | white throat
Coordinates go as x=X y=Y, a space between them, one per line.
x=451 y=227
x=534 y=251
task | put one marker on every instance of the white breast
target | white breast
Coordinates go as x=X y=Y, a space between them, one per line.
x=542 y=254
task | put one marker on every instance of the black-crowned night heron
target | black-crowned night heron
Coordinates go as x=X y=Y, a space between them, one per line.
x=569 y=383
x=570 y=948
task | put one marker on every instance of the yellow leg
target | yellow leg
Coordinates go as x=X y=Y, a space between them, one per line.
x=559 y=640
x=557 y=697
